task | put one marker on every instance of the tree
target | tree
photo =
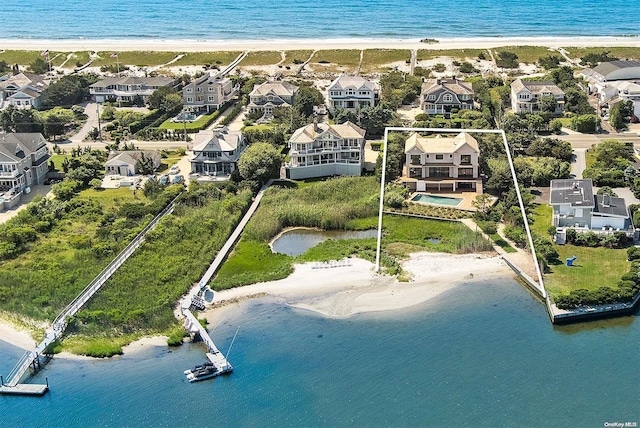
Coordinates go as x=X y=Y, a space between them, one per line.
x=259 y=163
x=549 y=61
x=39 y=66
x=69 y=90
x=482 y=202
x=619 y=114
x=306 y=98
x=586 y=123
x=576 y=101
x=592 y=59
x=507 y=59
x=172 y=103
x=547 y=103
x=157 y=98
x=4 y=67
x=374 y=119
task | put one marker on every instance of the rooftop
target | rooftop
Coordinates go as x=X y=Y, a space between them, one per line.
x=577 y=192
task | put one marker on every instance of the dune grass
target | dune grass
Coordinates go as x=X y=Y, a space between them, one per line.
x=336 y=60
x=220 y=58
x=138 y=58
x=622 y=52
x=296 y=57
x=376 y=59
x=527 y=54
x=258 y=58
x=462 y=54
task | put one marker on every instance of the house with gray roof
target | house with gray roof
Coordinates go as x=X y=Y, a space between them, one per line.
x=441 y=96
x=269 y=95
x=23 y=160
x=526 y=95
x=216 y=154
x=352 y=93
x=324 y=150
x=127 y=163
x=22 y=90
x=442 y=164
x=575 y=206
x=126 y=88
x=612 y=70
x=207 y=93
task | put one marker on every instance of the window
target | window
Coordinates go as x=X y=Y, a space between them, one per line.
x=415 y=159
x=465 y=172
x=211 y=98
x=447 y=98
x=439 y=172
x=189 y=90
x=189 y=99
x=431 y=97
x=439 y=157
x=465 y=159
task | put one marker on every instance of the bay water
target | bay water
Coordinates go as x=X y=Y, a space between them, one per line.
x=479 y=355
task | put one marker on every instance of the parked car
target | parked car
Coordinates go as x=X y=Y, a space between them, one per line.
x=164 y=180
x=174 y=169
x=178 y=179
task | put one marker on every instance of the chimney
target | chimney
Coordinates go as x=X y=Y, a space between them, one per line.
x=15 y=69
x=606 y=201
x=315 y=123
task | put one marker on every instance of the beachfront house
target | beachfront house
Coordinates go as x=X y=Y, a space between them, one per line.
x=322 y=150
x=216 y=154
x=615 y=81
x=22 y=90
x=23 y=160
x=526 y=96
x=445 y=96
x=612 y=71
x=207 y=93
x=575 y=206
x=127 y=88
x=442 y=164
x=130 y=162
x=269 y=95
x=352 y=93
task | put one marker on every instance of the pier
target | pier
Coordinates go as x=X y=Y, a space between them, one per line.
x=33 y=358
x=193 y=326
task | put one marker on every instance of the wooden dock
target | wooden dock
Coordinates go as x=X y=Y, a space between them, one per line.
x=24 y=389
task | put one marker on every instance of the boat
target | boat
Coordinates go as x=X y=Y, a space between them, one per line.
x=199 y=367
x=208 y=373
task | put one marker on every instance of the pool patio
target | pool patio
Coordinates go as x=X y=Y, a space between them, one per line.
x=465 y=204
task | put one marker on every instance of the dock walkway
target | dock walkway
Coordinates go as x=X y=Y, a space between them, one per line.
x=192 y=325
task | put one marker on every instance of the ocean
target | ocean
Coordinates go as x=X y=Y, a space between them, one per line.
x=483 y=357
x=329 y=19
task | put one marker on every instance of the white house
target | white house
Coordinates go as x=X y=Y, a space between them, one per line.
x=611 y=71
x=351 y=93
x=22 y=90
x=127 y=163
x=440 y=163
x=23 y=160
x=208 y=93
x=269 y=95
x=440 y=96
x=216 y=154
x=525 y=96
x=126 y=88
x=321 y=150
x=576 y=207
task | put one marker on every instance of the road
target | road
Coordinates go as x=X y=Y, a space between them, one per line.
x=585 y=141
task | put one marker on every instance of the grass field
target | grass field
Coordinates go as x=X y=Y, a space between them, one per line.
x=594 y=267
x=138 y=58
x=259 y=58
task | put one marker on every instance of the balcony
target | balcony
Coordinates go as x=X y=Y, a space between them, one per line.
x=10 y=174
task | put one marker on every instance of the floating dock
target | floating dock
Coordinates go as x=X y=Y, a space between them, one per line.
x=24 y=389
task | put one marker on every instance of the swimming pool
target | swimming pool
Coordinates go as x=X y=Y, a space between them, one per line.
x=437 y=200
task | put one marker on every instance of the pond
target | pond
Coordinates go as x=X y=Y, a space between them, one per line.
x=296 y=241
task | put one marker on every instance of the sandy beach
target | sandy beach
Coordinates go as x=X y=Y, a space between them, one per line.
x=72 y=45
x=355 y=288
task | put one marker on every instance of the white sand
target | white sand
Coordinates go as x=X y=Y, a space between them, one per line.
x=344 y=291
x=20 y=338
x=259 y=45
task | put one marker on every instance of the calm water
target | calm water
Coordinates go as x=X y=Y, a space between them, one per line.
x=483 y=356
x=296 y=241
x=329 y=19
x=434 y=199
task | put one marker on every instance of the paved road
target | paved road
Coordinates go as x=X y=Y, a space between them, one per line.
x=585 y=141
x=91 y=110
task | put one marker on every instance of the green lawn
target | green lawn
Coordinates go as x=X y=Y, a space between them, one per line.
x=594 y=267
x=196 y=125
x=590 y=157
x=111 y=199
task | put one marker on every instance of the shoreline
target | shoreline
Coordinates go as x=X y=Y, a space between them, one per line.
x=336 y=292
x=193 y=45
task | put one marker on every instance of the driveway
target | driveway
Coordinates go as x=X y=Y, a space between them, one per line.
x=578 y=162
x=91 y=110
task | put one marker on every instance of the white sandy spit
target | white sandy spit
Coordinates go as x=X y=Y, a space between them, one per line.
x=344 y=291
x=280 y=44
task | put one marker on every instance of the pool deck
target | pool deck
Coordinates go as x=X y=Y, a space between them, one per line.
x=466 y=203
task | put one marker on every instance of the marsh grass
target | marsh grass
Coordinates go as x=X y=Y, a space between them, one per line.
x=98 y=347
